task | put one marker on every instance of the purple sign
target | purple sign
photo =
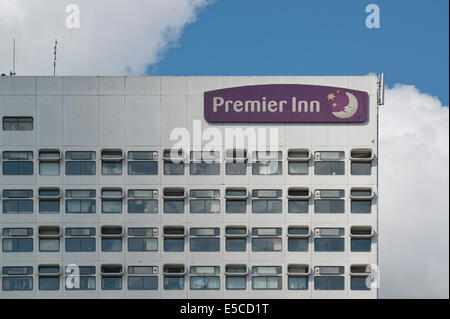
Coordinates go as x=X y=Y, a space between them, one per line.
x=285 y=103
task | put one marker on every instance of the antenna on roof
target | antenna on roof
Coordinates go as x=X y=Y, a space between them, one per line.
x=13 y=72
x=381 y=89
x=54 y=57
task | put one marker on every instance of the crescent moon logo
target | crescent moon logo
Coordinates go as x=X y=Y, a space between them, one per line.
x=350 y=109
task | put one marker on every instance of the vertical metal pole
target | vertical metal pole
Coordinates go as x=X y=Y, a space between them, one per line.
x=54 y=59
x=14 y=56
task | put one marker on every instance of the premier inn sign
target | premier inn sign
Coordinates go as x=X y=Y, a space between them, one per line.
x=285 y=103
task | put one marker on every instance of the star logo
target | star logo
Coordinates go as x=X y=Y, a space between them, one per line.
x=331 y=96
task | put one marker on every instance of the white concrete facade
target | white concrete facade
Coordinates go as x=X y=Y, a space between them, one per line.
x=138 y=114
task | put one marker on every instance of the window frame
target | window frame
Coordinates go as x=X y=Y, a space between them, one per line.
x=212 y=234
x=151 y=235
x=18 y=236
x=18 y=197
x=149 y=164
x=90 y=238
x=24 y=165
x=87 y=163
x=17 y=123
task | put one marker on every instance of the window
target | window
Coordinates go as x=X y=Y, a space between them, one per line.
x=359 y=283
x=174 y=238
x=361 y=200
x=298 y=200
x=80 y=201
x=174 y=200
x=142 y=239
x=17 y=163
x=204 y=239
x=329 y=163
x=205 y=163
x=236 y=238
x=328 y=278
x=17 y=278
x=142 y=278
x=142 y=201
x=298 y=277
x=17 y=123
x=80 y=239
x=359 y=277
x=205 y=278
x=111 y=238
x=361 y=238
x=49 y=162
x=49 y=238
x=361 y=168
x=298 y=161
x=174 y=277
x=17 y=201
x=82 y=278
x=298 y=238
x=266 y=239
x=49 y=276
x=329 y=201
x=236 y=162
x=80 y=163
x=48 y=168
x=111 y=161
x=266 y=201
x=236 y=277
x=112 y=200
x=361 y=161
x=204 y=201
x=49 y=200
x=266 y=277
x=174 y=161
x=142 y=163
x=111 y=277
x=18 y=240
x=236 y=200
x=329 y=239
x=267 y=163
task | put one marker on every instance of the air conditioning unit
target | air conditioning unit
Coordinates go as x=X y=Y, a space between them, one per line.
x=317 y=194
x=155 y=231
x=155 y=193
x=155 y=155
x=317 y=270
x=317 y=156
x=155 y=270
x=317 y=232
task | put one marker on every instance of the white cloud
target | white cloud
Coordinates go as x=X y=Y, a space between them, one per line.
x=414 y=200
x=116 y=37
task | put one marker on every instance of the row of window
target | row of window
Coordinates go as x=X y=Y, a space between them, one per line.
x=200 y=239
x=200 y=163
x=19 y=278
x=201 y=201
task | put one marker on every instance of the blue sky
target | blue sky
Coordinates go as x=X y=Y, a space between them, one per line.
x=321 y=37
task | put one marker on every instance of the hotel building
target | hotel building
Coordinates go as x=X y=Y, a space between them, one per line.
x=95 y=205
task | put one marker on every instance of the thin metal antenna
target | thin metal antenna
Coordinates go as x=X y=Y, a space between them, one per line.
x=54 y=59
x=13 y=72
x=381 y=89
